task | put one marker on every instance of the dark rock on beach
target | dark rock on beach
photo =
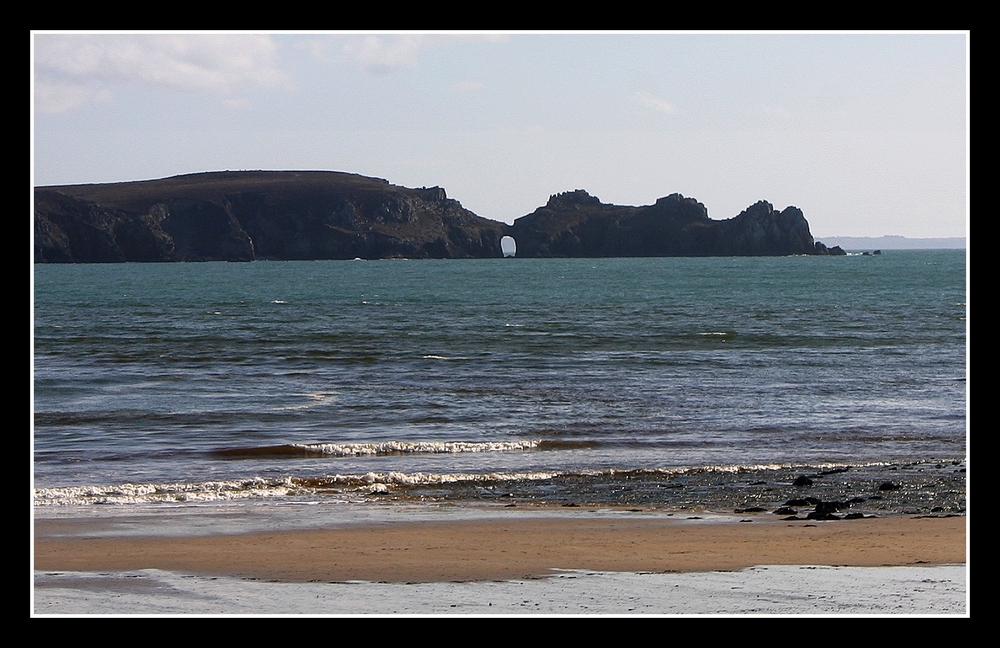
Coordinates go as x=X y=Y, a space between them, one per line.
x=823 y=511
x=288 y=215
x=802 y=501
x=826 y=511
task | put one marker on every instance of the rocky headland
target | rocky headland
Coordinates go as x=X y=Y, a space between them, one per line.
x=286 y=215
x=576 y=224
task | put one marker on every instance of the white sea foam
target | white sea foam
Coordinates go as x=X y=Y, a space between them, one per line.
x=737 y=468
x=419 y=479
x=211 y=491
x=216 y=491
x=394 y=447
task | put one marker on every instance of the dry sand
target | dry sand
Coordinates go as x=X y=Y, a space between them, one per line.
x=586 y=563
x=497 y=549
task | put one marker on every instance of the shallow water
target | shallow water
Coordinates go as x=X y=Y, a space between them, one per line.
x=765 y=590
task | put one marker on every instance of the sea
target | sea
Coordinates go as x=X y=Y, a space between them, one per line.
x=745 y=384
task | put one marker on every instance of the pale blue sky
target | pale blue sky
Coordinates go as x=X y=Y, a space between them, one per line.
x=867 y=133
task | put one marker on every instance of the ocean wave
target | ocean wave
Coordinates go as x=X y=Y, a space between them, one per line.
x=259 y=488
x=381 y=482
x=378 y=448
x=212 y=491
x=725 y=481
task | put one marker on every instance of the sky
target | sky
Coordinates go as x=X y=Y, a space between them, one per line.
x=866 y=132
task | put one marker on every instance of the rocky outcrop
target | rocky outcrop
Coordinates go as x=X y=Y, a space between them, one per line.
x=576 y=224
x=248 y=215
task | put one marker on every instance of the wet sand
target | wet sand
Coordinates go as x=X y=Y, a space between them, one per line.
x=504 y=548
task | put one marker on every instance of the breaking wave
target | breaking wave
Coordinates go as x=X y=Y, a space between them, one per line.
x=259 y=488
x=375 y=449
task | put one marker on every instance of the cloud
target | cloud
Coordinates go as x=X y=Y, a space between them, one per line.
x=381 y=55
x=69 y=68
x=648 y=100
x=55 y=97
x=387 y=53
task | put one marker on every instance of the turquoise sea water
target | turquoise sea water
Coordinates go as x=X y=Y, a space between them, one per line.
x=667 y=382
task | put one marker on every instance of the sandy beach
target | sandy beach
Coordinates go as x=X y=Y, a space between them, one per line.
x=584 y=563
x=516 y=547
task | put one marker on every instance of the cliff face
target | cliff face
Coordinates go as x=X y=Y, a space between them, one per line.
x=242 y=216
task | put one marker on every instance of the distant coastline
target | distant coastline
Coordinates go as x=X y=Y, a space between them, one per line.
x=286 y=215
x=889 y=242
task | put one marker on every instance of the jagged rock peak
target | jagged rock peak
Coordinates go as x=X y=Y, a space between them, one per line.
x=761 y=207
x=676 y=198
x=570 y=198
x=764 y=209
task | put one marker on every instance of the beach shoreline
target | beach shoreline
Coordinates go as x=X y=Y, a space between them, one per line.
x=498 y=546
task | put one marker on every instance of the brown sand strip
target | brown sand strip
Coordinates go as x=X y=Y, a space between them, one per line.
x=499 y=549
